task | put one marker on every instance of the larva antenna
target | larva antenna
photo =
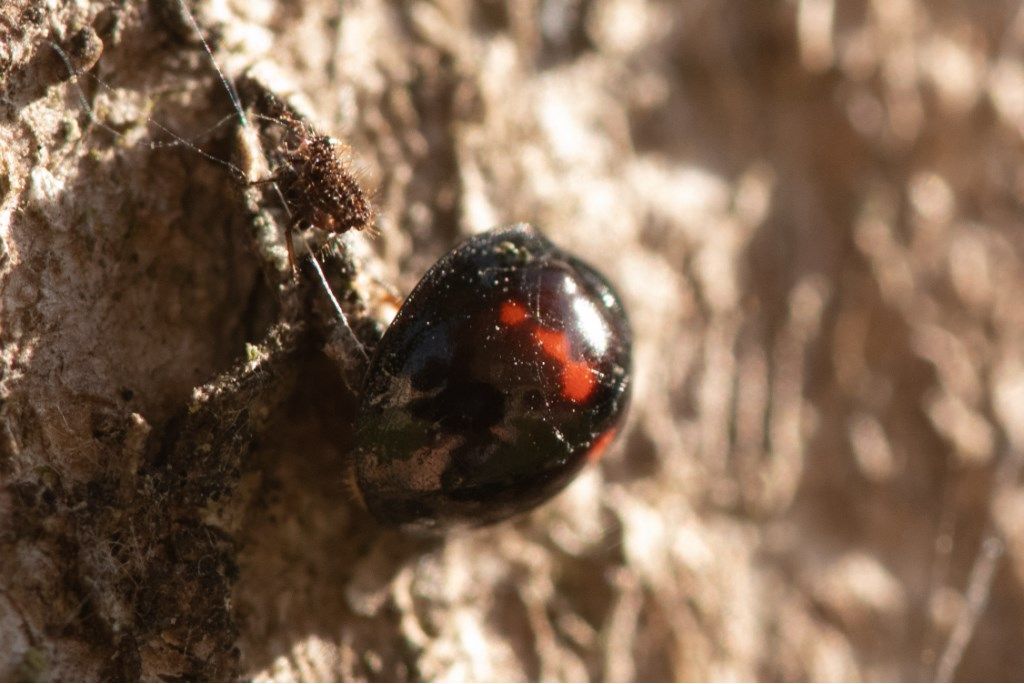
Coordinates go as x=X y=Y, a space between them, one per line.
x=87 y=108
x=228 y=85
x=82 y=101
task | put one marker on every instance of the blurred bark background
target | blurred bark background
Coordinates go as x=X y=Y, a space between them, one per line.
x=811 y=207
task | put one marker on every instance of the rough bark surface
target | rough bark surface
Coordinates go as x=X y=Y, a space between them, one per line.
x=811 y=208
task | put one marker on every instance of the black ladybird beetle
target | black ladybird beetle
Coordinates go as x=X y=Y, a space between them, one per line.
x=506 y=370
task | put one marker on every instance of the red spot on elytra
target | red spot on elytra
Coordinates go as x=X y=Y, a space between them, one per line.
x=578 y=381
x=600 y=444
x=512 y=313
x=555 y=344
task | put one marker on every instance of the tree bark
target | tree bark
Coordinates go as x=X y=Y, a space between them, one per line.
x=811 y=209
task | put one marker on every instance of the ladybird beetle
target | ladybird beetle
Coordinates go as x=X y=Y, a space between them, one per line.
x=504 y=372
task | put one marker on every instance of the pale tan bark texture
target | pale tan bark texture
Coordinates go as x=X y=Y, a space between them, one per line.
x=812 y=209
